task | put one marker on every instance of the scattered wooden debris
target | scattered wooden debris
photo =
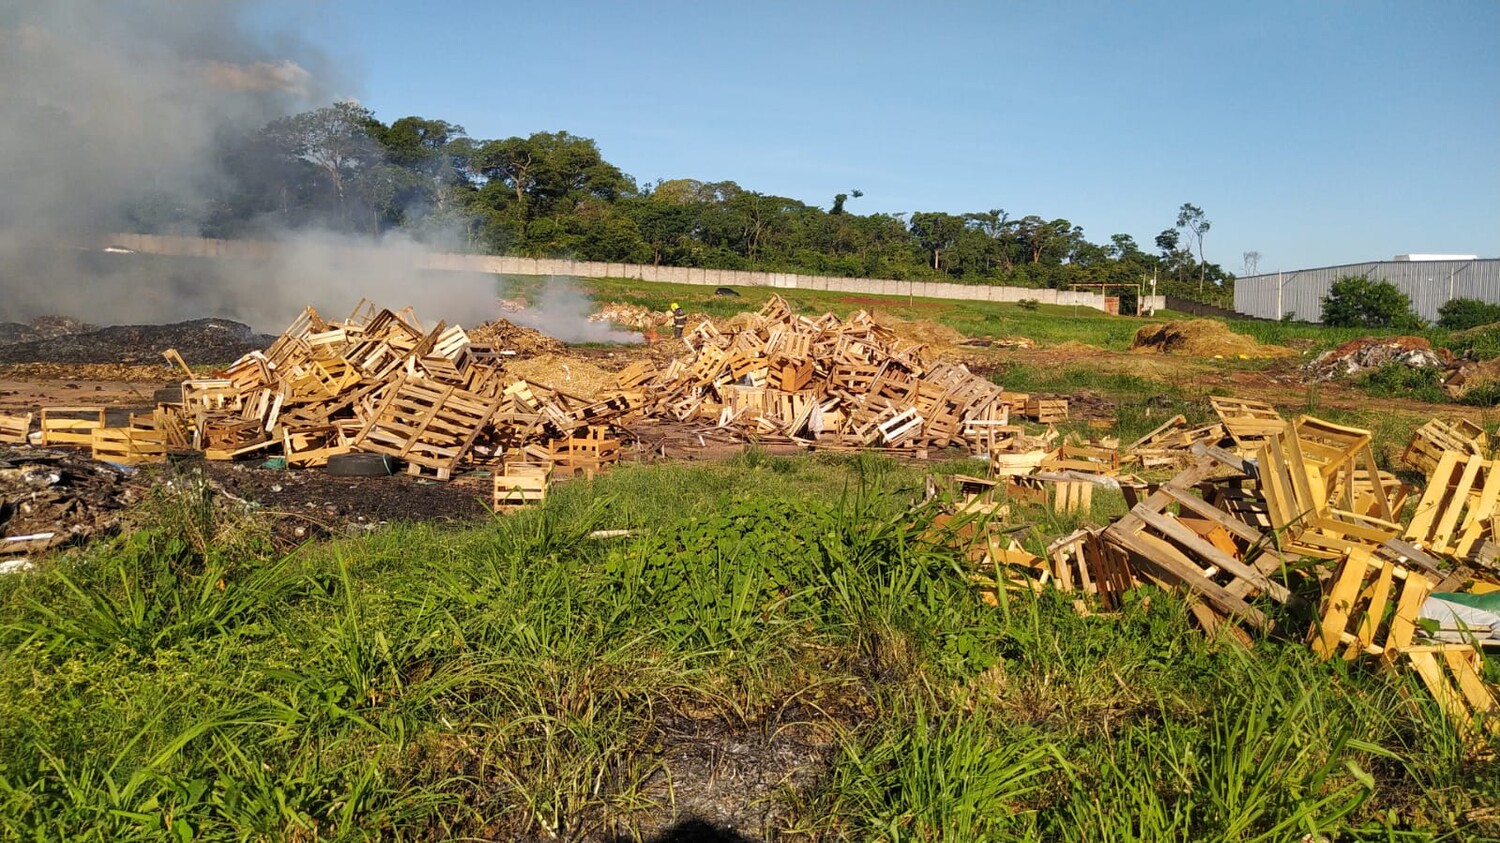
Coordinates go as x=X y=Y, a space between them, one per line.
x=1243 y=532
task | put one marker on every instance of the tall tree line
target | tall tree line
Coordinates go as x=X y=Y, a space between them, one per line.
x=554 y=194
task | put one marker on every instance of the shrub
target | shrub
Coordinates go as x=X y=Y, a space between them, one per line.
x=1398 y=380
x=1459 y=314
x=1357 y=302
x=1028 y=304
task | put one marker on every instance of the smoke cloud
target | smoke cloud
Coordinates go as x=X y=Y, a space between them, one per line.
x=107 y=106
x=561 y=309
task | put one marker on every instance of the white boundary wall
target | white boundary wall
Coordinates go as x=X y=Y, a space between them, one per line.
x=508 y=265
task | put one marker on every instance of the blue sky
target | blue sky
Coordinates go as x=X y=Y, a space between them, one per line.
x=1314 y=132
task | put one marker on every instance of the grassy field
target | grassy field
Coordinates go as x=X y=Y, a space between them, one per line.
x=522 y=680
x=782 y=647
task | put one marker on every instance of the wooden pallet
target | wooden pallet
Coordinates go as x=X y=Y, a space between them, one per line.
x=1436 y=437
x=1173 y=552
x=1249 y=423
x=14 y=430
x=70 y=425
x=429 y=425
x=1373 y=607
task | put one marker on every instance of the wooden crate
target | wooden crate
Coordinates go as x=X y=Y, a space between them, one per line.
x=1086 y=458
x=521 y=483
x=1453 y=675
x=70 y=425
x=1372 y=607
x=1047 y=410
x=589 y=454
x=1249 y=423
x=1436 y=437
x=14 y=430
x=1173 y=551
x=1455 y=511
x=127 y=445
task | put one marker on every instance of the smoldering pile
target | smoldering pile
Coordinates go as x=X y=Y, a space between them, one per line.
x=205 y=341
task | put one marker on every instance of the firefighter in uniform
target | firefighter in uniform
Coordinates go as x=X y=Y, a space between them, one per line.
x=679 y=320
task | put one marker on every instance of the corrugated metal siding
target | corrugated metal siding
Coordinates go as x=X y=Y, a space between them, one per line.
x=1427 y=283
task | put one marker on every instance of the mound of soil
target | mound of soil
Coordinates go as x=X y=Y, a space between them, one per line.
x=1201 y=338
x=203 y=341
x=1471 y=376
x=524 y=342
x=1366 y=353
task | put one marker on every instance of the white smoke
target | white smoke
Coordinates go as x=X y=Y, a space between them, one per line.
x=561 y=309
x=106 y=105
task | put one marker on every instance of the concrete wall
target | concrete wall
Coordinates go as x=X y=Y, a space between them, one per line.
x=509 y=265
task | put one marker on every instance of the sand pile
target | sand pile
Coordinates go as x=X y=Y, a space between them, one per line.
x=508 y=336
x=1201 y=338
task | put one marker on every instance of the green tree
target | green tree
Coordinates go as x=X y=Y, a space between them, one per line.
x=335 y=140
x=1458 y=314
x=1190 y=218
x=936 y=232
x=1357 y=302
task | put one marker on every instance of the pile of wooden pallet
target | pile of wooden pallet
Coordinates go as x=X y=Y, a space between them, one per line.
x=1268 y=509
x=826 y=383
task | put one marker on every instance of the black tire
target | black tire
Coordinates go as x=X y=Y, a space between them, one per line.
x=168 y=395
x=360 y=465
x=727 y=291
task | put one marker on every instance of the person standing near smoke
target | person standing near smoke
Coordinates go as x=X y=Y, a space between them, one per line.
x=679 y=320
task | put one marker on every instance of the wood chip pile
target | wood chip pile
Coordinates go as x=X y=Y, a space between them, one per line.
x=1271 y=514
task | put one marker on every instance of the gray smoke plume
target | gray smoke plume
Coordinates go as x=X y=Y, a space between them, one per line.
x=111 y=106
x=561 y=309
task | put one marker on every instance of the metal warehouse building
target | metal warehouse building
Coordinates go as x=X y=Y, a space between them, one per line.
x=1429 y=280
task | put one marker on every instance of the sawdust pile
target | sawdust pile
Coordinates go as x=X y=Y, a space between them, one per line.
x=935 y=335
x=1075 y=347
x=1201 y=338
x=508 y=336
x=572 y=375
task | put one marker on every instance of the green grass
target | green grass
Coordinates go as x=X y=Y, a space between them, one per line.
x=511 y=680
